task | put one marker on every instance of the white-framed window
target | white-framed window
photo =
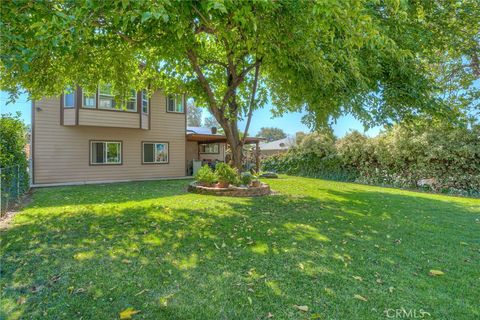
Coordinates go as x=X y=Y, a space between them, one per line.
x=155 y=152
x=175 y=103
x=209 y=148
x=69 y=98
x=105 y=152
x=145 y=105
x=89 y=100
x=106 y=99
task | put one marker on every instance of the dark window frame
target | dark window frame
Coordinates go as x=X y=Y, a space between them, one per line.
x=205 y=144
x=90 y=147
x=183 y=103
x=154 y=143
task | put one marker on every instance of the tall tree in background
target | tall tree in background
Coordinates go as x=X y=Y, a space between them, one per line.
x=271 y=134
x=194 y=114
x=378 y=60
x=211 y=122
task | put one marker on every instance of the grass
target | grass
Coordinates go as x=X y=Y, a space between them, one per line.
x=89 y=252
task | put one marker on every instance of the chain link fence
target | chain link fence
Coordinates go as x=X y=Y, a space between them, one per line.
x=14 y=182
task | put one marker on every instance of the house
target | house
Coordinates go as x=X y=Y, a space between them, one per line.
x=82 y=137
x=277 y=146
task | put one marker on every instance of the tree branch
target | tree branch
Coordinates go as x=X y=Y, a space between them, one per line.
x=252 y=101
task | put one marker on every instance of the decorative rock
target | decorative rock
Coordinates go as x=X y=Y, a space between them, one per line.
x=271 y=175
x=231 y=191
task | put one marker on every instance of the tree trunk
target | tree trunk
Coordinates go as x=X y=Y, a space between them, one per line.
x=233 y=139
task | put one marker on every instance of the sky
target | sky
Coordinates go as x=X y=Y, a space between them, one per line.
x=290 y=123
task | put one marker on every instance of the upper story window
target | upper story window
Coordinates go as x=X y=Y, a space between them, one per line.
x=69 y=98
x=106 y=152
x=145 y=105
x=175 y=103
x=106 y=99
x=209 y=148
x=89 y=100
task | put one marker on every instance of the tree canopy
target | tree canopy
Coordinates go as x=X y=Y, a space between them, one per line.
x=379 y=60
x=271 y=133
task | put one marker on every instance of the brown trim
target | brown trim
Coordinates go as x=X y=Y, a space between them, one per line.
x=166 y=104
x=78 y=97
x=150 y=114
x=104 y=164
x=153 y=142
x=33 y=142
x=139 y=108
x=62 y=111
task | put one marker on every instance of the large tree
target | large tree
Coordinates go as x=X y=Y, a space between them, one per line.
x=379 y=60
x=194 y=114
x=271 y=133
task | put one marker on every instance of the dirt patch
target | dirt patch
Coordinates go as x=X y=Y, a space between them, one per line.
x=6 y=218
x=231 y=191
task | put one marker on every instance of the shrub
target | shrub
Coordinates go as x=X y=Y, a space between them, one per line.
x=13 y=160
x=205 y=176
x=226 y=174
x=246 y=178
x=403 y=156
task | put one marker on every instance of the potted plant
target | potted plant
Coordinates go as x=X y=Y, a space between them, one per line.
x=246 y=178
x=225 y=174
x=255 y=183
x=205 y=176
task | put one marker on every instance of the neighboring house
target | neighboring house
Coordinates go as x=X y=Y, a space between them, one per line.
x=85 y=138
x=277 y=146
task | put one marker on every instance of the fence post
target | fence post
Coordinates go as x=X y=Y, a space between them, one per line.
x=18 y=181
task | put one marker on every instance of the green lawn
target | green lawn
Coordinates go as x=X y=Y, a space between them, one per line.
x=89 y=252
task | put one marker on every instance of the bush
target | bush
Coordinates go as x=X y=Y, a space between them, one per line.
x=13 y=160
x=446 y=155
x=205 y=176
x=246 y=178
x=226 y=174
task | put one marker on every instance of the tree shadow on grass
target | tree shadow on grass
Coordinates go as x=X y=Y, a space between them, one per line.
x=234 y=258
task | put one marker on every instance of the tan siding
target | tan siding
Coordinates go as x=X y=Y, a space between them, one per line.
x=144 y=121
x=69 y=117
x=62 y=152
x=108 y=118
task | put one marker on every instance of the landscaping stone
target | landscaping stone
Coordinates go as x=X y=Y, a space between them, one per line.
x=231 y=191
x=270 y=175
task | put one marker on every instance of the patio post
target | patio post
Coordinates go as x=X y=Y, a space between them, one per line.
x=257 y=156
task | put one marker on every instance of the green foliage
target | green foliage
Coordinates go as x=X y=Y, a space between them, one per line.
x=205 y=175
x=194 y=114
x=380 y=60
x=225 y=173
x=13 y=160
x=432 y=155
x=271 y=133
x=246 y=178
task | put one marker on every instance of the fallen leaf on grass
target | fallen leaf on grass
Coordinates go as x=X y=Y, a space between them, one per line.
x=359 y=297
x=435 y=273
x=126 y=261
x=358 y=278
x=301 y=308
x=269 y=315
x=21 y=300
x=128 y=313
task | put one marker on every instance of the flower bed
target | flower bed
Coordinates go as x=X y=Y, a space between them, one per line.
x=231 y=191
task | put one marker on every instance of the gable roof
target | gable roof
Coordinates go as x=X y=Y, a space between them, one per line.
x=281 y=144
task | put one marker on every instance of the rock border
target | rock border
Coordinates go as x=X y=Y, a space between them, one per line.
x=231 y=191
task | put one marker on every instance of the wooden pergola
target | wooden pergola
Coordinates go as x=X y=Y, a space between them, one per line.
x=217 y=138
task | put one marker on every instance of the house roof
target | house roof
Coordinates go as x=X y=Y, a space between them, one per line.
x=281 y=144
x=201 y=130
x=205 y=135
